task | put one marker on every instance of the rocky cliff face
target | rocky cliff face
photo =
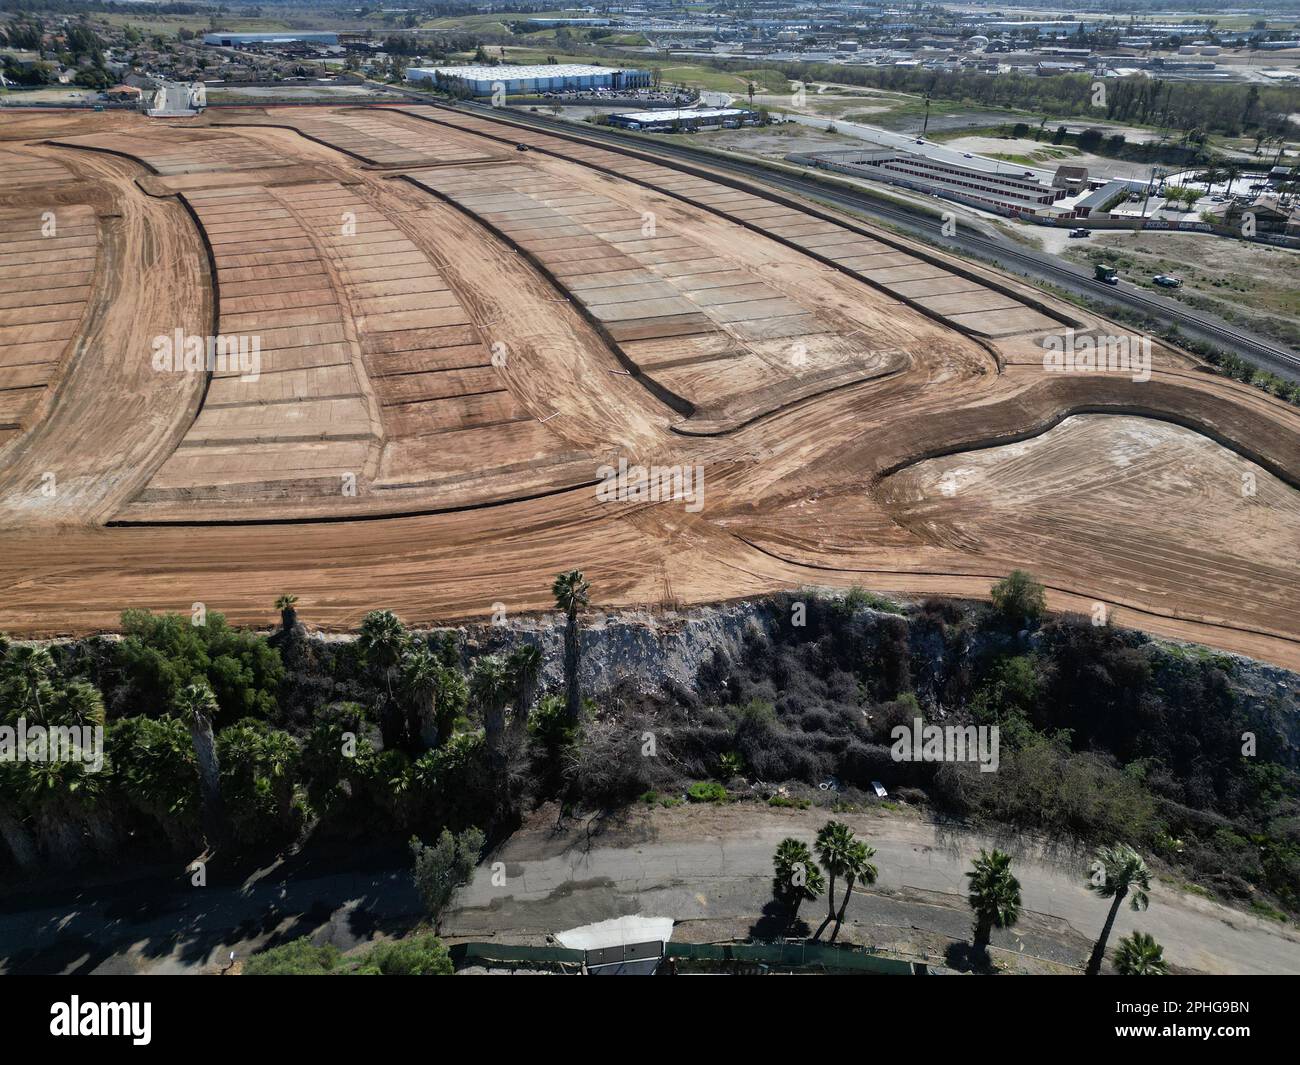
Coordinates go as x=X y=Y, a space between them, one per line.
x=650 y=651
x=666 y=651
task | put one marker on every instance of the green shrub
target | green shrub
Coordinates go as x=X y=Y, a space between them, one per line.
x=1019 y=597
x=858 y=597
x=756 y=712
x=296 y=958
x=421 y=955
x=706 y=791
x=730 y=764
x=549 y=722
x=160 y=655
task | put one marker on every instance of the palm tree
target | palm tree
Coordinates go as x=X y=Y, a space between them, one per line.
x=1117 y=871
x=60 y=794
x=857 y=869
x=382 y=641
x=571 y=595
x=525 y=668
x=288 y=615
x=1140 y=955
x=490 y=685
x=25 y=677
x=78 y=704
x=844 y=856
x=795 y=877
x=994 y=895
x=1232 y=171
x=420 y=675
x=452 y=698
x=195 y=704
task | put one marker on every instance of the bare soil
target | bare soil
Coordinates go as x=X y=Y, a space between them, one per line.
x=456 y=336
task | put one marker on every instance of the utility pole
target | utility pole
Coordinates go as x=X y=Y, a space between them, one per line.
x=1146 y=199
x=926 y=124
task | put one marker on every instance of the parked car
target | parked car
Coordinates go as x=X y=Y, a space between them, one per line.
x=1078 y=232
x=521 y=147
x=1167 y=281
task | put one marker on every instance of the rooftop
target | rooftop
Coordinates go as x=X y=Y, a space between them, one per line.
x=673 y=114
x=507 y=71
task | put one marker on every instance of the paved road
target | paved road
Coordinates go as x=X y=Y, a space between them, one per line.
x=692 y=864
x=921 y=883
x=930 y=149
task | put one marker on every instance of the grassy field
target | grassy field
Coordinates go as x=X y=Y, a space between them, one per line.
x=493 y=23
x=1046 y=154
x=167 y=25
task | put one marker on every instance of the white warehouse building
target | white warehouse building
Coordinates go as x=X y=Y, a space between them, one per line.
x=481 y=80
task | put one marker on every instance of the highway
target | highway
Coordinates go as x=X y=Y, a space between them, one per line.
x=968 y=240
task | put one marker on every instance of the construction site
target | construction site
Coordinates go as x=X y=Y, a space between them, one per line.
x=449 y=323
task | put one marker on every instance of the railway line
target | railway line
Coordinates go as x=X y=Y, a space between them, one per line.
x=998 y=251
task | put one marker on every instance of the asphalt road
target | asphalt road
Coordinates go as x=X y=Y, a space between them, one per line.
x=697 y=865
x=908 y=142
x=726 y=876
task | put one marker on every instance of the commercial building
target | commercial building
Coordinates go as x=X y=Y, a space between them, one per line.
x=1045 y=27
x=124 y=94
x=1100 y=201
x=1000 y=188
x=1071 y=178
x=482 y=80
x=697 y=118
x=1268 y=211
x=240 y=40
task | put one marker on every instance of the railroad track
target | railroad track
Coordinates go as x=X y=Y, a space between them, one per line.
x=1000 y=251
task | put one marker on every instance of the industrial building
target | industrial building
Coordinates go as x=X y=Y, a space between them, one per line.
x=697 y=118
x=996 y=187
x=482 y=80
x=238 y=40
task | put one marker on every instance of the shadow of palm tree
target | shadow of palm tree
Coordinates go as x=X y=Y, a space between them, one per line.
x=965 y=958
x=775 y=924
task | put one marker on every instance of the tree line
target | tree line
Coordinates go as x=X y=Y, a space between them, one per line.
x=1117 y=872
x=228 y=739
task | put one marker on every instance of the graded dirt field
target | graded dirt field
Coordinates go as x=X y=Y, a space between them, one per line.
x=432 y=346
